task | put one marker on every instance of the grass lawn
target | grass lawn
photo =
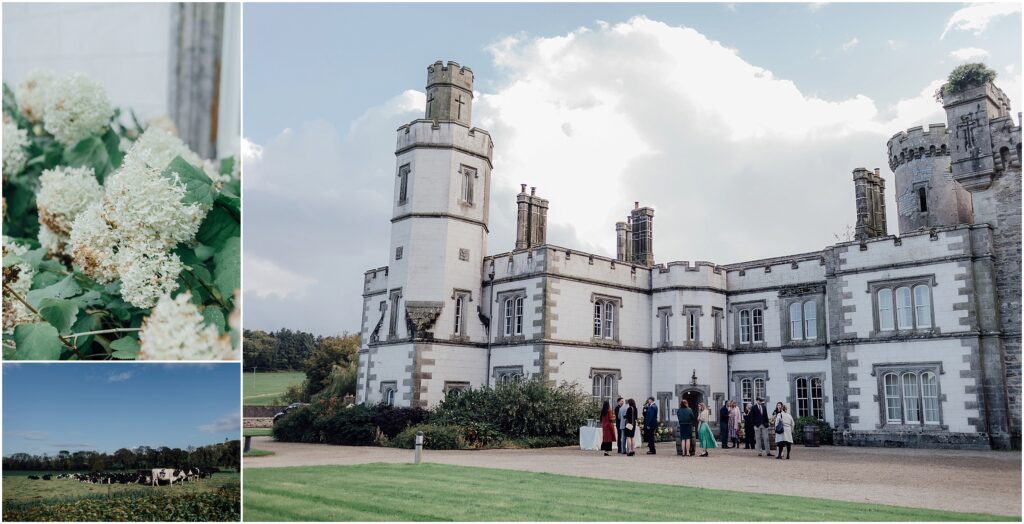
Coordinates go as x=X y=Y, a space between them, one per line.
x=264 y=389
x=257 y=432
x=441 y=492
x=258 y=453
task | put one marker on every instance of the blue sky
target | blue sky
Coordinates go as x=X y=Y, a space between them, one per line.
x=738 y=120
x=106 y=406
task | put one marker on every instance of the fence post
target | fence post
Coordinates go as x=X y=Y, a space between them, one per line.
x=248 y=443
x=419 y=447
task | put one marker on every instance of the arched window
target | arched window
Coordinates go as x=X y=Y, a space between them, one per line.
x=467 y=184
x=910 y=398
x=930 y=397
x=389 y=397
x=817 y=399
x=759 y=389
x=519 y=316
x=796 y=330
x=904 y=309
x=604 y=387
x=598 y=308
x=802 y=397
x=885 y=320
x=747 y=390
x=758 y=320
x=810 y=320
x=609 y=319
x=508 y=316
x=893 y=408
x=922 y=306
x=745 y=326
x=458 y=314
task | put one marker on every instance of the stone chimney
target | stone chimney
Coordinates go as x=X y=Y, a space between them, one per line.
x=642 y=235
x=531 y=219
x=870 y=192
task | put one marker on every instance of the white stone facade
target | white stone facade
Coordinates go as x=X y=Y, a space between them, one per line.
x=822 y=332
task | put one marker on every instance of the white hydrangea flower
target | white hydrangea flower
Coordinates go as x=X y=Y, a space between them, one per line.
x=31 y=93
x=18 y=277
x=15 y=140
x=93 y=244
x=156 y=148
x=146 y=275
x=55 y=243
x=76 y=107
x=65 y=192
x=146 y=209
x=175 y=331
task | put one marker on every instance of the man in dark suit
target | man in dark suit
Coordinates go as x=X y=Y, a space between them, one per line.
x=723 y=424
x=759 y=419
x=650 y=423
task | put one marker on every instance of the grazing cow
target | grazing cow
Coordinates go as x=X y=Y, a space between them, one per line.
x=170 y=476
x=33 y=477
x=47 y=477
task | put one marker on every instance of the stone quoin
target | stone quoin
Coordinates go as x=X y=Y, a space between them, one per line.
x=909 y=340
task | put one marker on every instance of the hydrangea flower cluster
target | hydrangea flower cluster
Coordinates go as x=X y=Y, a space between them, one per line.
x=175 y=331
x=15 y=141
x=158 y=146
x=129 y=232
x=76 y=108
x=64 y=193
x=18 y=277
x=31 y=94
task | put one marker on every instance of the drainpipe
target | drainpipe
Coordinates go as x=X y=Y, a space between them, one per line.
x=490 y=320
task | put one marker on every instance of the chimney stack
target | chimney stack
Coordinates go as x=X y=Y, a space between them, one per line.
x=531 y=219
x=869 y=188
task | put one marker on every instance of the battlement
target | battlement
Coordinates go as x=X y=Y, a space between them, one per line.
x=375 y=281
x=451 y=74
x=916 y=143
x=428 y=133
x=700 y=274
x=999 y=106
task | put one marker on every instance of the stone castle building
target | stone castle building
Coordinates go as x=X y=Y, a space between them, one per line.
x=895 y=340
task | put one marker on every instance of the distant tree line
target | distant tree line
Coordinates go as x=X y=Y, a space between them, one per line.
x=226 y=455
x=286 y=350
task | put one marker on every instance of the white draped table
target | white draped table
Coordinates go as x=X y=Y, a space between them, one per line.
x=590 y=438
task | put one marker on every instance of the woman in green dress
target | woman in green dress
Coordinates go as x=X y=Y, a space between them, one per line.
x=705 y=439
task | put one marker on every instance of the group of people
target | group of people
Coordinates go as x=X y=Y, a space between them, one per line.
x=619 y=425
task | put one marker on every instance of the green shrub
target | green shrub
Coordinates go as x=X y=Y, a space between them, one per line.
x=523 y=408
x=296 y=426
x=348 y=426
x=481 y=435
x=434 y=437
x=543 y=442
x=825 y=430
x=964 y=77
x=392 y=420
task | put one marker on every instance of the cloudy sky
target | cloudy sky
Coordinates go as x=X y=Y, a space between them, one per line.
x=739 y=123
x=107 y=406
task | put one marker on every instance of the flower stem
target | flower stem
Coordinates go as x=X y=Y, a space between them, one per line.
x=208 y=290
x=112 y=330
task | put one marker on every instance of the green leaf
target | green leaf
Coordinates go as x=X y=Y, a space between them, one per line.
x=90 y=152
x=227 y=165
x=217 y=228
x=214 y=316
x=198 y=186
x=227 y=268
x=125 y=348
x=66 y=288
x=113 y=144
x=204 y=252
x=38 y=341
x=84 y=324
x=59 y=312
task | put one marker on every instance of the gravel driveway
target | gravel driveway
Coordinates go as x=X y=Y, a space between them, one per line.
x=971 y=481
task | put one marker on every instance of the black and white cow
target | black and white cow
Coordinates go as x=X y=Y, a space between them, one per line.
x=160 y=476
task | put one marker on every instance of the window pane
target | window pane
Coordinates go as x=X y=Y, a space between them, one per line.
x=608 y=387
x=597 y=319
x=596 y=389
x=885 y=321
x=930 y=395
x=758 y=325
x=519 y=316
x=508 y=317
x=795 y=322
x=759 y=390
x=693 y=326
x=910 y=398
x=458 y=315
x=893 y=408
x=609 y=311
x=922 y=306
x=801 y=397
x=810 y=319
x=817 y=399
x=746 y=389
x=745 y=326
x=904 y=319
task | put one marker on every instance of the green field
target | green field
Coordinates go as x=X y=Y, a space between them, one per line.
x=216 y=498
x=375 y=492
x=258 y=453
x=265 y=389
x=257 y=432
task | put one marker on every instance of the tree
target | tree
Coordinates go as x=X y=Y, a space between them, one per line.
x=331 y=352
x=965 y=76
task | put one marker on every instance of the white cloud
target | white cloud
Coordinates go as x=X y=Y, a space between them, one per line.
x=976 y=17
x=814 y=7
x=851 y=43
x=29 y=435
x=968 y=53
x=895 y=44
x=119 y=377
x=263 y=278
x=251 y=151
x=225 y=424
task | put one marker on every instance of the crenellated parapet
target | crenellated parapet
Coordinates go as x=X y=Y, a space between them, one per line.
x=452 y=73
x=427 y=134
x=700 y=274
x=916 y=143
x=375 y=281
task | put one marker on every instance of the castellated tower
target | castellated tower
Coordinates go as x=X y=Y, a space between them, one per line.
x=926 y=194
x=438 y=241
x=869 y=188
x=531 y=219
x=985 y=155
